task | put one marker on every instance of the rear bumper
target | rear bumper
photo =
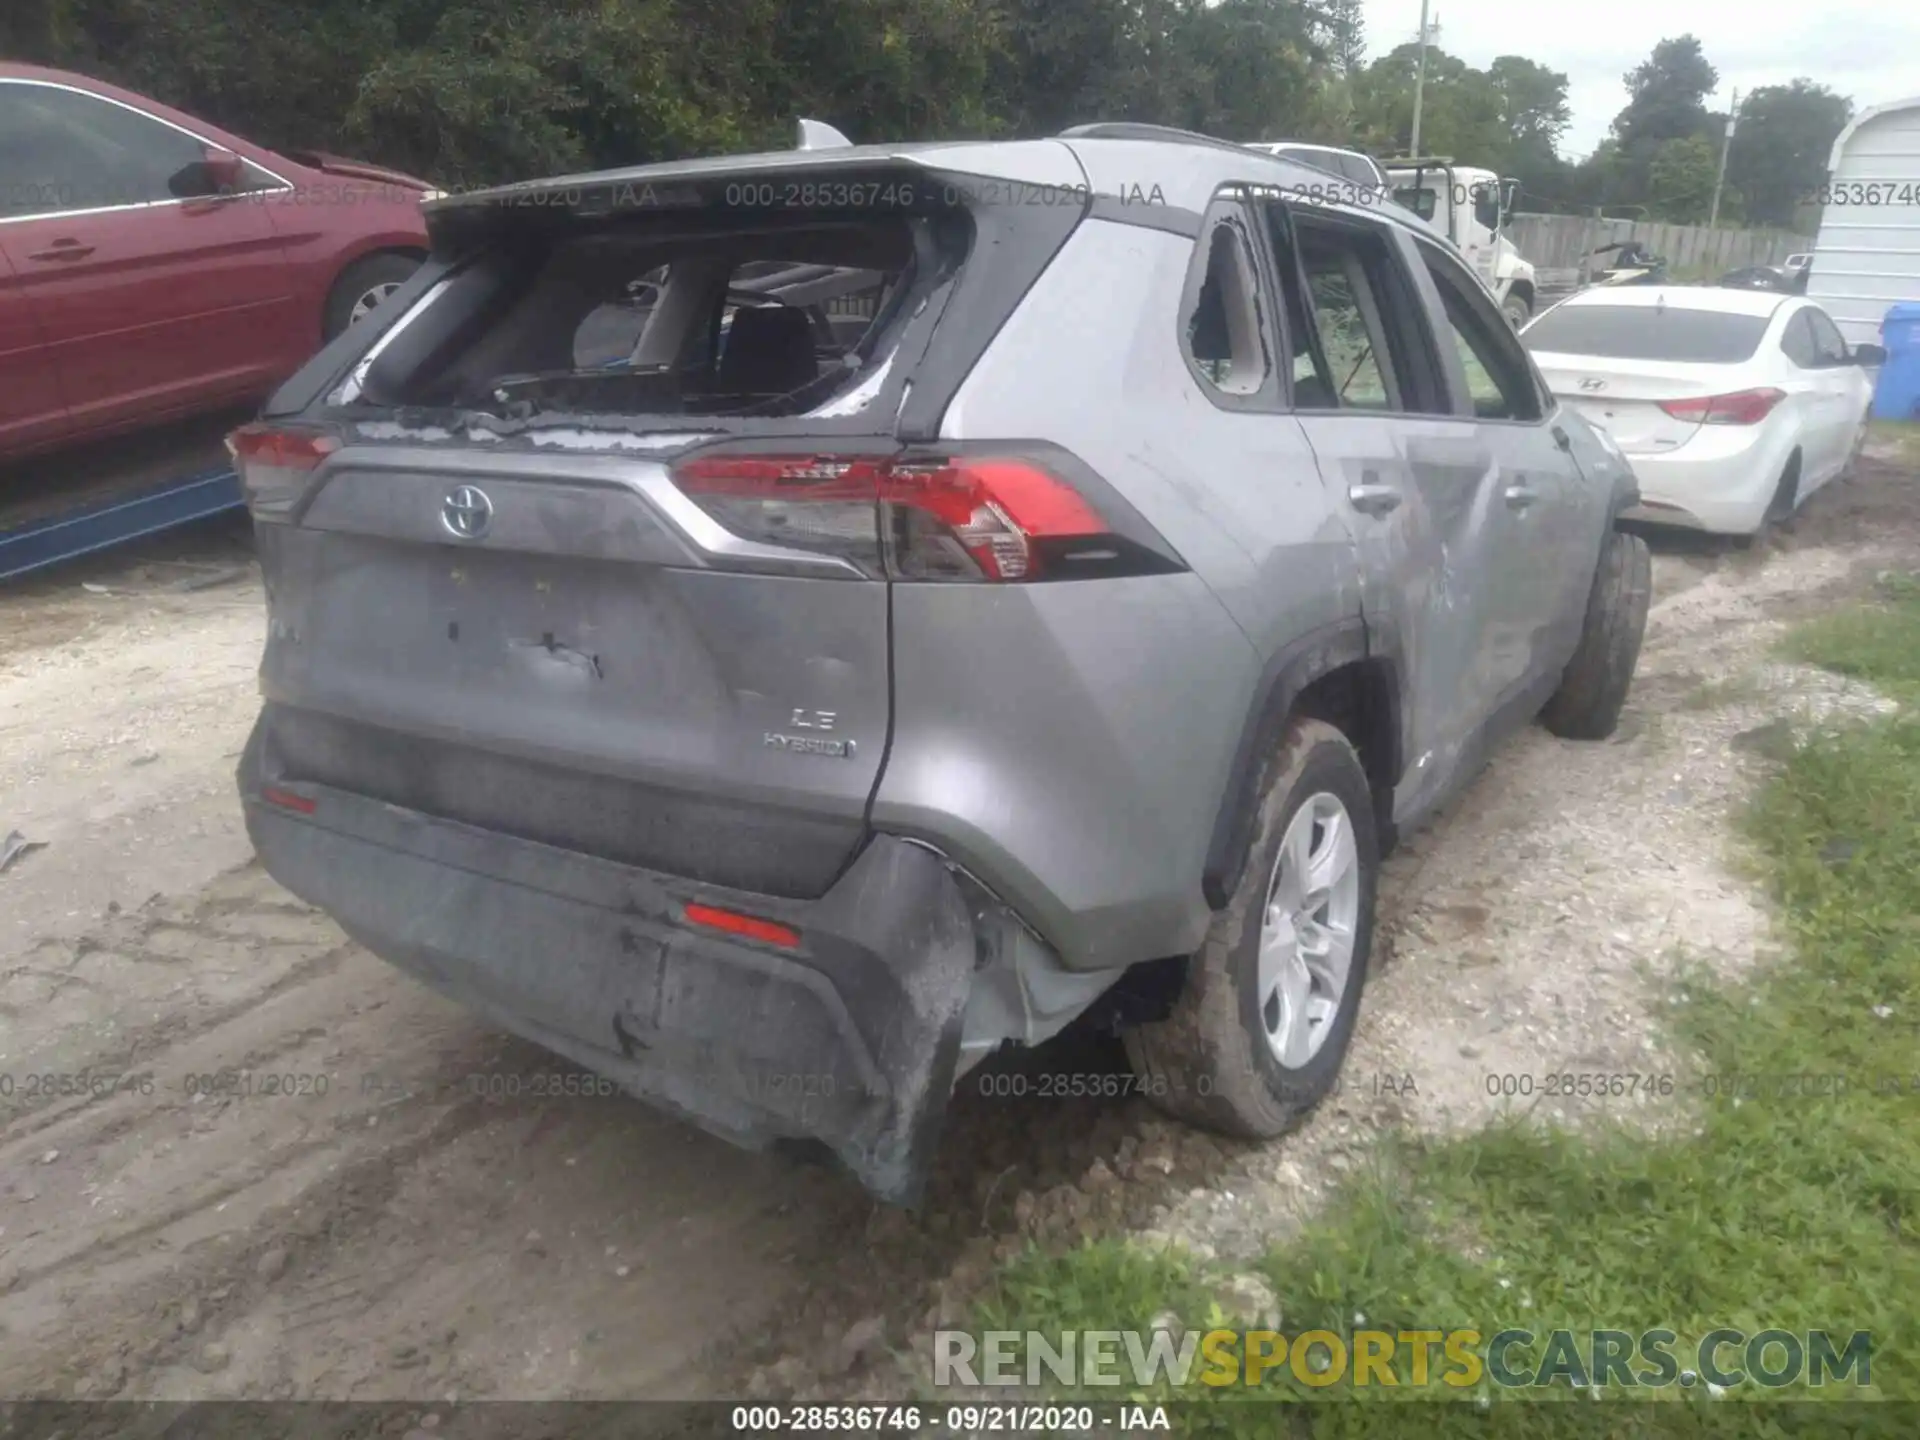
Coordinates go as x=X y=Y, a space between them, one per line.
x=1717 y=482
x=850 y=1037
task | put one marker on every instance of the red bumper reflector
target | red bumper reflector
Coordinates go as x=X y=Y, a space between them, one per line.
x=287 y=800
x=771 y=932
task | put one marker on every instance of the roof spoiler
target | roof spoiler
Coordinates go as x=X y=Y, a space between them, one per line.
x=818 y=135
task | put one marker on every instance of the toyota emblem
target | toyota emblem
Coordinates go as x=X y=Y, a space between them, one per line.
x=467 y=512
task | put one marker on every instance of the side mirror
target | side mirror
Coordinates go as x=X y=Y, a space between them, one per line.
x=1868 y=355
x=223 y=169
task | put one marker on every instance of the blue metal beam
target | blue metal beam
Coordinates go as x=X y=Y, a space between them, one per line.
x=117 y=521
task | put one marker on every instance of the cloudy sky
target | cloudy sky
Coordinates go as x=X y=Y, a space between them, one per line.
x=1866 y=49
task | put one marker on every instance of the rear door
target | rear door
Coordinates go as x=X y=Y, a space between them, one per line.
x=1421 y=488
x=157 y=297
x=32 y=412
x=1551 y=508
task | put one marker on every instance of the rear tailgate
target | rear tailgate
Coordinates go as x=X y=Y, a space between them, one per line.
x=518 y=621
x=581 y=674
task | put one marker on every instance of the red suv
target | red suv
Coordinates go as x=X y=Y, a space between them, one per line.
x=153 y=267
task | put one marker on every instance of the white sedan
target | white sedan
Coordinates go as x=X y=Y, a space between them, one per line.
x=1732 y=406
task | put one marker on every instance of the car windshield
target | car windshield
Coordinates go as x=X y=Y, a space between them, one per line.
x=1647 y=332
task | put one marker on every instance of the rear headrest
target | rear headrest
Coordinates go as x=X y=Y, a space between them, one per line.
x=768 y=352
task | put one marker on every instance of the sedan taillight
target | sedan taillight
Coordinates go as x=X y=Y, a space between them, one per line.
x=993 y=518
x=275 y=462
x=1743 y=407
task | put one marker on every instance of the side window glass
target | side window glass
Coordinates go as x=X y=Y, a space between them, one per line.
x=1486 y=205
x=1222 y=331
x=1828 y=342
x=1499 y=378
x=1335 y=285
x=1345 y=355
x=61 y=150
x=1796 y=342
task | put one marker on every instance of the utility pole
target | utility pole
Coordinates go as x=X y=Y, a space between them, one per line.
x=1720 y=179
x=1419 y=80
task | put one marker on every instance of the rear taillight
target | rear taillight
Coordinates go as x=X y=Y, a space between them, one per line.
x=275 y=462
x=1744 y=407
x=963 y=517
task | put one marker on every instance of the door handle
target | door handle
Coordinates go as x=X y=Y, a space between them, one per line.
x=1521 y=496
x=62 y=250
x=1372 y=498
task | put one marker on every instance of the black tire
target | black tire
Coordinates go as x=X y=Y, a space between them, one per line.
x=1517 y=310
x=1593 y=688
x=1209 y=1062
x=1786 y=494
x=361 y=280
x=1851 y=471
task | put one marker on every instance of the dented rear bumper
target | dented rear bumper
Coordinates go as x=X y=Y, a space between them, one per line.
x=849 y=1037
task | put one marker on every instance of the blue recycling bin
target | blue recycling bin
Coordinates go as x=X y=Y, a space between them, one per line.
x=1897 y=396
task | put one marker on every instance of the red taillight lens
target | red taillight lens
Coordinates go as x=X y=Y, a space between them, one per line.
x=996 y=518
x=274 y=462
x=750 y=927
x=1744 y=407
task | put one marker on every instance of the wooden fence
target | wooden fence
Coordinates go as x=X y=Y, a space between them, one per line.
x=1562 y=242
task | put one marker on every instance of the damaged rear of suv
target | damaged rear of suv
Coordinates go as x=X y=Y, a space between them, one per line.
x=578 y=688
x=741 y=625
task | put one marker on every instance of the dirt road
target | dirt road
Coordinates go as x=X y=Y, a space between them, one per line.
x=413 y=1221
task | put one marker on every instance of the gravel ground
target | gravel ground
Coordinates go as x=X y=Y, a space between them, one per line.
x=358 y=1241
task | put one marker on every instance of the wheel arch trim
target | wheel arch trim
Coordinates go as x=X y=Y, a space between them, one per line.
x=1286 y=676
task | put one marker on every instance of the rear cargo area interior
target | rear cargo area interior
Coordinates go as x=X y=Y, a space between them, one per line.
x=634 y=318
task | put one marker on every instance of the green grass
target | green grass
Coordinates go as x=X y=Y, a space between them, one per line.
x=1903 y=437
x=1794 y=1211
x=1874 y=642
x=1719 y=694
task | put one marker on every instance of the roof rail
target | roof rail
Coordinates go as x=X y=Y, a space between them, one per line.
x=1135 y=130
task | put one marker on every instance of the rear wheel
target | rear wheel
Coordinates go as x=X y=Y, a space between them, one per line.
x=1261 y=1027
x=1593 y=688
x=1852 y=467
x=1786 y=493
x=362 y=286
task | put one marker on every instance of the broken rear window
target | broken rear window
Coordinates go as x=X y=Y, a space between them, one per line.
x=633 y=317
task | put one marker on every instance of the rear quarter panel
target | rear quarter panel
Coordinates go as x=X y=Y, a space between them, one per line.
x=1071 y=742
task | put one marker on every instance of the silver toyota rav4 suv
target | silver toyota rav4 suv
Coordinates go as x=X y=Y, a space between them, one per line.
x=776 y=629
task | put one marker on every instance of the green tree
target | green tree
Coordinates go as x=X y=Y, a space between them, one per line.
x=467 y=91
x=1667 y=101
x=1780 y=149
x=1533 y=102
x=1667 y=95
x=1507 y=117
x=1680 y=178
x=1346 y=27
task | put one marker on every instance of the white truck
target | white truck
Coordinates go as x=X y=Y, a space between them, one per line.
x=1471 y=207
